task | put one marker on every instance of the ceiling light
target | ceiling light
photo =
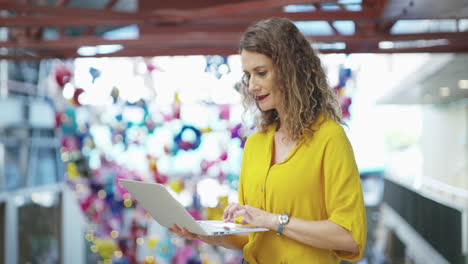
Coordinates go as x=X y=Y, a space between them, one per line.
x=386 y=45
x=87 y=51
x=463 y=84
x=444 y=91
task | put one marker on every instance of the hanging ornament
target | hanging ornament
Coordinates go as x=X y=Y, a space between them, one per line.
x=177 y=185
x=345 y=103
x=186 y=145
x=62 y=75
x=75 y=99
x=224 y=112
x=105 y=248
x=183 y=254
x=95 y=73
x=115 y=94
x=165 y=249
x=217 y=65
x=72 y=171
x=344 y=75
x=236 y=132
x=150 y=67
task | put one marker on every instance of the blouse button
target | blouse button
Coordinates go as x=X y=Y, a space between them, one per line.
x=261 y=189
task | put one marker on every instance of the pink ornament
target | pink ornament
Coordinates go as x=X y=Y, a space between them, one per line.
x=119 y=187
x=183 y=254
x=195 y=214
x=221 y=176
x=160 y=178
x=224 y=112
x=223 y=156
x=206 y=165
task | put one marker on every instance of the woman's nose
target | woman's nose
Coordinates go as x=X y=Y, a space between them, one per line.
x=252 y=85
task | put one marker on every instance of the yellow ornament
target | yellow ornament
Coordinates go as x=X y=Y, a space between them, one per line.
x=206 y=130
x=177 y=186
x=177 y=98
x=72 y=171
x=152 y=242
x=105 y=248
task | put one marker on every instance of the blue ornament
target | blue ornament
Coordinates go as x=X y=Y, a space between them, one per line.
x=95 y=73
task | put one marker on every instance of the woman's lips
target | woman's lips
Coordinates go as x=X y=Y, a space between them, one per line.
x=261 y=97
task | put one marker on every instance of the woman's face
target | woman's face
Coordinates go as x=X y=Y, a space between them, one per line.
x=260 y=76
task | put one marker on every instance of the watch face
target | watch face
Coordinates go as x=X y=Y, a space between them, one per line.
x=283 y=219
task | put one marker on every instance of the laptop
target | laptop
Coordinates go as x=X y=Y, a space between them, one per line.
x=167 y=211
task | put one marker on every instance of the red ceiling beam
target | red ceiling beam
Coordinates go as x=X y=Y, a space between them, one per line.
x=365 y=15
x=232 y=8
x=101 y=20
x=178 y=16
x=53 y=21
x=219 y=38
x=160 y=39
x=66 y=11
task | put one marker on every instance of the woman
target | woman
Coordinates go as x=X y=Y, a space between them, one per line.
x=299 y=177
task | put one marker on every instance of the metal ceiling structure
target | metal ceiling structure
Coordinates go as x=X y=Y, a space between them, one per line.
x=58 y=28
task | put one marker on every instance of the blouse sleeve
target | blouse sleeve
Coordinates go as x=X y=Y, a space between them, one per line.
x=343 y=192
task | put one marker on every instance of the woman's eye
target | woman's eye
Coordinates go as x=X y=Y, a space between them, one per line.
x=262 y=73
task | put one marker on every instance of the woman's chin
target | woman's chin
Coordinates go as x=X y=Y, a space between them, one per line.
x=264 y=108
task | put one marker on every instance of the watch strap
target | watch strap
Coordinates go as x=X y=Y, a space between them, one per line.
x=280 y=227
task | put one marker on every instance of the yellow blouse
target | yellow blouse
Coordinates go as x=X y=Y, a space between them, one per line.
x=318 y=180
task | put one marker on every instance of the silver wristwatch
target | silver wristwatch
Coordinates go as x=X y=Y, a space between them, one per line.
x=283 y=220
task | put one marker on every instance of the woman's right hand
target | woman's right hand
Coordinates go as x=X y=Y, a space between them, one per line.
x=184 y=233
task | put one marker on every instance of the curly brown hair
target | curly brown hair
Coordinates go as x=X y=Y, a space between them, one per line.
x=299 y=73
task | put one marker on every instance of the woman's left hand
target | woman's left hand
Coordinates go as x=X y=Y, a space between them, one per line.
x=250 y=215
x=184 y=233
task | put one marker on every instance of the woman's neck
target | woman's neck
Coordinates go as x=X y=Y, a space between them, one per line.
x=281 y=125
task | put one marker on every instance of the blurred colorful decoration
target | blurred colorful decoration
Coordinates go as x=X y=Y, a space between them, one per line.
x=105 y=248
x=63 y=75
x=224 y=112
x=115 y=94
x=236 y=132
x=185 y=144
x=116 y=221
x=152 y=241
x=340 y=89
x=217 y=65
x=183 y=254
x=76 y=95
x=177 y=185
x=67 y=121
x=165 y=249
x=95 y=73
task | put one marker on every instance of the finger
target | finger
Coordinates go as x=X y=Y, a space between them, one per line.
x=231 y=212
x=176 y=228
x=228 y=209
x=241 y=212
x=188 y=235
